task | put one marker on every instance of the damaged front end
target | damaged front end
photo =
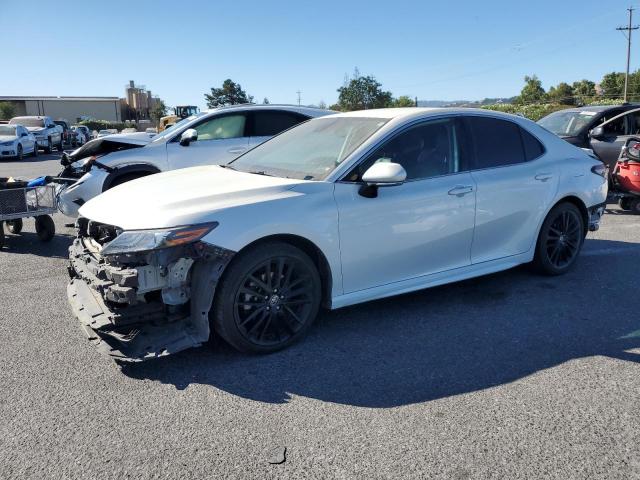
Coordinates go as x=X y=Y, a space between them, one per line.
x=136 y=304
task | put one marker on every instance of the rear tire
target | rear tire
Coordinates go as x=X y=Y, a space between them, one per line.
x=267 y=299
x=1 y=235
x=560 y=240
x=14 y=226
x=45 y=228
x=634 y=206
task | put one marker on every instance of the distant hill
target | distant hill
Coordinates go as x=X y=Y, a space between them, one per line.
x=463 y=103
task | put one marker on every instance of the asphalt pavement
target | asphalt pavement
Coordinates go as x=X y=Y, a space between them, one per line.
x=509 y=376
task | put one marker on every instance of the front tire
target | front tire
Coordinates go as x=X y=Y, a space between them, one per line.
x=560 y=240
x=35 y=150
x=45 y=228
x=19 y=153
x=634 y=206
x=268 y=298
x=49 y=147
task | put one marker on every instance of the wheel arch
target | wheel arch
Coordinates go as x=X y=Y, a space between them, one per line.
x=579 y=204
x=127 y=170
x=316 y=255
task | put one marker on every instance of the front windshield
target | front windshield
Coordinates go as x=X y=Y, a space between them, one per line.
x=567 y=124
x=174 y=127
x=7 y=130
x=310 y=151
x=27 y=121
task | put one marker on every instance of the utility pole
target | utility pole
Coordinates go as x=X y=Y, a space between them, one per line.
x=298 y=92
x=628 y=29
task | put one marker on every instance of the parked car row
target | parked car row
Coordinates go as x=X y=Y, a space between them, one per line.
x=259 y=235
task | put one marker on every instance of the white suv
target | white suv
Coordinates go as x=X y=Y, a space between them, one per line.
x=214 y=137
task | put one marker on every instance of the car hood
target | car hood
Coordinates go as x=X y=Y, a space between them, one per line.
x=182 y=197
x=104 y=145
x=7 y=138
x=36 y=129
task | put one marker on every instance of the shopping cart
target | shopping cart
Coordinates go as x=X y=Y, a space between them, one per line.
x=18 y=201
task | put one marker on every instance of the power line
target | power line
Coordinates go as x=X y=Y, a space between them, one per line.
x=628 y=29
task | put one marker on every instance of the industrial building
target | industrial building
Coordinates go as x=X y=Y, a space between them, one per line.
x=72 y=109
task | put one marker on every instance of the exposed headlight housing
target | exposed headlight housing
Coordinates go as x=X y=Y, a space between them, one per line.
x=132 y=241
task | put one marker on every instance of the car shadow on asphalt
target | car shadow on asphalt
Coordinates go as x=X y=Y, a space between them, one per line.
x=28 y=243
x=435 y=343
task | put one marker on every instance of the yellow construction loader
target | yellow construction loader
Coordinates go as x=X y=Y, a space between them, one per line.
x=180 y=112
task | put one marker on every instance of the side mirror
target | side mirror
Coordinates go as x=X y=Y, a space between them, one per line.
x=382 y=174
x=188 y=136
x=597 y=133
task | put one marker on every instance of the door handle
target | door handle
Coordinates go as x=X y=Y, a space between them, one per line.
x=543 y=177
x=237 y=150
x=461 y=190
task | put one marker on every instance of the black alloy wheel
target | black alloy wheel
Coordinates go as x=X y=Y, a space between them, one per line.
x=267 y=299
x=560 y=240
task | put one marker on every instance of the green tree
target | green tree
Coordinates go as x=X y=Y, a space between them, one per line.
x=404 y=101
x=7 y=110
x=584 y=88
x=612 y=84
x=265 y=101
x=158 y=111
x=361 y=93
x=532 y=92
x=231 y=93
x=563 y=94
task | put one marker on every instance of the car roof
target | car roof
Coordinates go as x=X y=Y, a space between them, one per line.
x=401 y=114
x=309 y=111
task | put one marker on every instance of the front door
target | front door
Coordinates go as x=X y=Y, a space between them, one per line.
x=421 y=227
x=220 y=140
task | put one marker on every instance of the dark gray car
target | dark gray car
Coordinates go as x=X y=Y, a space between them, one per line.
x=602 y=129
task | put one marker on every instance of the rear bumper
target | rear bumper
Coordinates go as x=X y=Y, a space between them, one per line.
x=125 y=316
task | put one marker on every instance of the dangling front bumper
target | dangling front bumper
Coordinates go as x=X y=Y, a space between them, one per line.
x=146 y=305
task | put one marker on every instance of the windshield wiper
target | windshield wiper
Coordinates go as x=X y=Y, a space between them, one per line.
x=229 y=167
x=261 y=173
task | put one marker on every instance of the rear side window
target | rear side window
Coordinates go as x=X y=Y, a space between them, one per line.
x=270 y=123
x=497 y=142
x=532 y=146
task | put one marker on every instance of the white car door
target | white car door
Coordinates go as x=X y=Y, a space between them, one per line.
x=421 y=227
x=264 y=124
x=220 y=139
x=516 y=181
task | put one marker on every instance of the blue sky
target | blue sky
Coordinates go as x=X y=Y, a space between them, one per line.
x=430 y=49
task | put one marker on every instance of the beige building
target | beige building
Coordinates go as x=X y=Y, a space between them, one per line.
x=138 y=102
x=72 y=109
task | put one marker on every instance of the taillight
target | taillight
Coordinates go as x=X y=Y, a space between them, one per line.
x=599 y=170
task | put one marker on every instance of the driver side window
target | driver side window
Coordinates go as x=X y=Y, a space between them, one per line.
x=425 y=151
x=229 y=126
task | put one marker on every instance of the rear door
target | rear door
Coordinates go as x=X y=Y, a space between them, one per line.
x=264 y=124
x=516 y=180
x=221 y=138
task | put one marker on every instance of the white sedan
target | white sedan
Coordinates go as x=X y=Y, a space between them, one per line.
x=339 y=210
x=16 y=141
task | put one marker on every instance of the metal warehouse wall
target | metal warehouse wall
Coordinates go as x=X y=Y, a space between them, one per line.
x=71 y=110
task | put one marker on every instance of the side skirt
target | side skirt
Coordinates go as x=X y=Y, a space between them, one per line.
x=428 y=281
